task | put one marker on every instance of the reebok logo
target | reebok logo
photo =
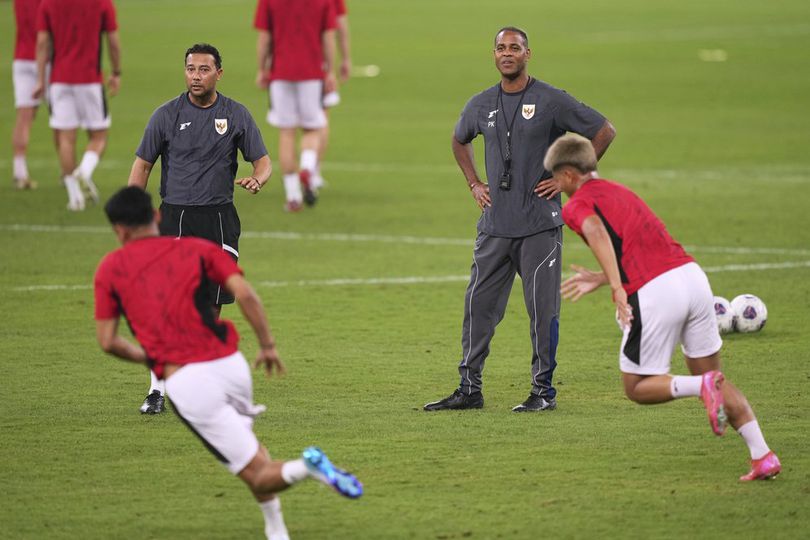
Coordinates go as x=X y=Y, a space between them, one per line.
x=491 y=124
x=184 y=125
x=492 y=113
x=552 y=263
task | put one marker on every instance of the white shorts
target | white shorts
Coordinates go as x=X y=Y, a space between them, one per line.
x=24 y=74
x=677 y=306
x=296 y=104
x=215 y=400
x=75 y=106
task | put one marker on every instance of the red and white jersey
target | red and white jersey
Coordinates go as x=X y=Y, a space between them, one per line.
x=161 y=285
x=76 y=28
x=296 y=30
x=25 y=12
x=644 y=249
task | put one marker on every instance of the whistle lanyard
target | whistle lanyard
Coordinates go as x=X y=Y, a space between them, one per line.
x=507 y=157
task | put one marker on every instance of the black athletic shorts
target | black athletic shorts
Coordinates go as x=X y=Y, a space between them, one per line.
x=220 y=224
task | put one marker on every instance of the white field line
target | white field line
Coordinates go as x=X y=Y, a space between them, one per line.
x=388 y=239
x=417 y=280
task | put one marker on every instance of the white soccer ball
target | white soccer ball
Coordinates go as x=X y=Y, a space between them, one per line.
x=725 y=315
x=750 y=313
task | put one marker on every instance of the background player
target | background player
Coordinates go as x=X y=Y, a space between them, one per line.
x=69 y=31
x=196 y=136
x=155 y=282
x=662 y=297
x=295 y=51
x=24 y=70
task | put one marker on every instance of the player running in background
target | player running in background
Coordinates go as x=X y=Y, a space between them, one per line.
x=24 y=69
x=69 y=32
x=662 y=297
x=295 y=52
x=159 y=284
x=332 y=99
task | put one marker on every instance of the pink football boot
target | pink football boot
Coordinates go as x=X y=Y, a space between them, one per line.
x=712 y=398
x=763 y=468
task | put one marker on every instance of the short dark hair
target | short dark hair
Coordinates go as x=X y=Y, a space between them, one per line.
x=205 y=48
x=130 y=206
x=516 y=30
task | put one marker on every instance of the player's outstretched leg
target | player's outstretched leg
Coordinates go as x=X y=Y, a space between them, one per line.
x=323 y=470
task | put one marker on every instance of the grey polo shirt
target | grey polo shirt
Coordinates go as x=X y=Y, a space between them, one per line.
x=545 y=114
x=197 y=149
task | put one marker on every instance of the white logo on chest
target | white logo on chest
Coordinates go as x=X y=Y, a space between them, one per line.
x=528 y=111
x=221 y=125
x=184 y=125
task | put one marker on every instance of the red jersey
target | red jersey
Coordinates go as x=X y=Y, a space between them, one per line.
x=160 y=284
x=340 y=8
x=296 y=30
x=76 y=27
x=644 y=249
x=25 y=12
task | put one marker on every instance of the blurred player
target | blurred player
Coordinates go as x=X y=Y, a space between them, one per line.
x=332 y=99
x=69 y=32
x=295 y=52
x=662 y=297
x=155 y=282
x=24 y=70
x=196 y=136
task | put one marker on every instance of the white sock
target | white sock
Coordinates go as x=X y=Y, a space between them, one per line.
x=309 y=160
x=316 y=180
x=75 y=196
x=20 y=168
x=292 y=185
x=156 y=384
x=88 y=164
x=274 y=527
x=685 y=385
x=294 y=471
x=752 y=436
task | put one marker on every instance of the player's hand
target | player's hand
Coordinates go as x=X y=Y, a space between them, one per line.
x=39 y=89
x=480 y=192
x=268 y=357
x=548 y=188
x=624 y=311
x=262 y=81
x=581 y=283
x=250 y=183
x=345 y=70
x=113 y=84
x=329 y=83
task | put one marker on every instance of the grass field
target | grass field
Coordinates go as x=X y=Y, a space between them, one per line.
x=365 y=292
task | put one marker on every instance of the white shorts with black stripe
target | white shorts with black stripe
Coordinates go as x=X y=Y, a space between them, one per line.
x=215 y=400
x=675 y=307
x=24 y=74
x=78 y=106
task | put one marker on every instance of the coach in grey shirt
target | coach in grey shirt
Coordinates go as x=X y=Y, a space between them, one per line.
x=520 y=229
x=197 y=136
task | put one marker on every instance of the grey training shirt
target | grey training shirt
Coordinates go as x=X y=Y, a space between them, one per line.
x=545 y=114
x=197 y=149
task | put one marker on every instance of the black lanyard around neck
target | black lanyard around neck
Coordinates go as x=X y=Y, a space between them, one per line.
x=506 y=157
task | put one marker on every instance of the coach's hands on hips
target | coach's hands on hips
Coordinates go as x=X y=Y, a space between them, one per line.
x=480 y=192
x=250 y=183
x=268 y=357
x=547 y=188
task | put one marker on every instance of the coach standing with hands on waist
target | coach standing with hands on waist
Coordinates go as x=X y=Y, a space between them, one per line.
x=196 y=136
x=520 y=229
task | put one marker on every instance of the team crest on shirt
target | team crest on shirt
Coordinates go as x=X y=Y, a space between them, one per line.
x=221 y=125
x=528 y=111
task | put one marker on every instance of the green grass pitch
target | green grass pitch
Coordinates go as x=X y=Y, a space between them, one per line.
x=365 y=292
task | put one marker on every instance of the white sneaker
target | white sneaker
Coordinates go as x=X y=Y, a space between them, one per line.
x=75 y=196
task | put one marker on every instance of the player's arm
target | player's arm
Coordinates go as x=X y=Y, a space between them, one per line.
x=465 y=157
x=328 y=44
x=112 y=343
x=344 y=47
x=264 y=56
x=139 y=174
x=252 y=309
x=114 y=50
x=43 y=52
x=262 y=169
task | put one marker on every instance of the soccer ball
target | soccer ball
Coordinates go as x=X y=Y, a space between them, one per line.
x=750 y=313
x=725 y=315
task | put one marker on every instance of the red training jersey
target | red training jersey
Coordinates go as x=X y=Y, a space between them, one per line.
x=161 y=285
x=340 y=8
x=76 y=28
x=25 y=13
x=644 y=249
x=296 y=30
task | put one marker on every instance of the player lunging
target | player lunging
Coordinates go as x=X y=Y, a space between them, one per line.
x=662 y=297
x=160 y=284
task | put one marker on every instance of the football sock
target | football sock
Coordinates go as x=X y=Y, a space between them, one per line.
x=752 y=436
x=316 y=180
x=309 y=160
x=294 y=471
x=156 y=384
x=20 y=168
x=274 y=527
x=292 y=185
x=75 y=196
x=685 y=385
x=88 y=164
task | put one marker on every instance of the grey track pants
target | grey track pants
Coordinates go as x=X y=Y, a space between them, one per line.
x=537 y=259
